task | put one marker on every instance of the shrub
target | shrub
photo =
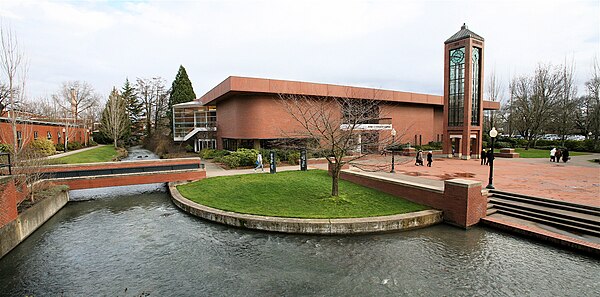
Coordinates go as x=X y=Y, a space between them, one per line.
x=213 y=154
x=189 y=148
x=60 y=146
x=43 y=146
x=502 y=144
x=74 y=145
x=5 y=148
x=232 y=161
x=293 y=157
x=247 y=157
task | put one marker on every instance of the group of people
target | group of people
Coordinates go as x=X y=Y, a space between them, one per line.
x=419 y=158
x=557 y=154
x=486 y=156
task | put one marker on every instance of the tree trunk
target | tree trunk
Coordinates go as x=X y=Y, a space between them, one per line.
x=115 y=141
x=335 y=177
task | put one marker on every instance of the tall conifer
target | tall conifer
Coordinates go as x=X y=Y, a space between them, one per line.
x=181 y=91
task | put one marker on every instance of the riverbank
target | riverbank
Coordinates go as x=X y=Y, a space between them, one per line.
x=16 y=231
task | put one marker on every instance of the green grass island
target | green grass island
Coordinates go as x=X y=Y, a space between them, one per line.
x=294 y=194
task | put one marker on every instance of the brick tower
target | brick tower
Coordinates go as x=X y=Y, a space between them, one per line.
x=463 y=93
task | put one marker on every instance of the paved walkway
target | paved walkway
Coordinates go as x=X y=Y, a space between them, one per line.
x=576 y=181
x=74 y=152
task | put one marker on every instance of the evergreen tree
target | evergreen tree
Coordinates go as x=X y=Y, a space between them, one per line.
x=134 y=109
x=181 y=91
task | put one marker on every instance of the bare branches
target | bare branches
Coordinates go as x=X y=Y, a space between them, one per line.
x=115 y=119
x=14 y=68
x=336 y=126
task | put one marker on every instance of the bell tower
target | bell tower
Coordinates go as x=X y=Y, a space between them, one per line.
x=463 y=94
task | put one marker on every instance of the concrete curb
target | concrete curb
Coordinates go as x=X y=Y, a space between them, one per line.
x=15 y=232
x=398 y=222
x=555 y=238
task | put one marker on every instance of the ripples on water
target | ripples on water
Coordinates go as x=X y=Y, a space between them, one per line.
x=125 y=244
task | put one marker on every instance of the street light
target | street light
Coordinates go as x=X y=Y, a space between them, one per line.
x=493 y=134
x=393 y=141
x=65 y=139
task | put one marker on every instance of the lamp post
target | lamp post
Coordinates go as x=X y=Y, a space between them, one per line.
x=493 y=134
x=393 y=141
x=65 y=139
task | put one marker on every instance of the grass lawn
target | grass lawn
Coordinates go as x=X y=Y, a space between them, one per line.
x=297 y=194
x=536 y=153
x=100 y=154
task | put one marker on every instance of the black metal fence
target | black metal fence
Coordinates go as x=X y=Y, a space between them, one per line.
x=96 y=172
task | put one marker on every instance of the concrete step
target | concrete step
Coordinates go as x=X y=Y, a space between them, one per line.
x=550 y=211
x=550 y=220
x=556 y=204
x=490 y=211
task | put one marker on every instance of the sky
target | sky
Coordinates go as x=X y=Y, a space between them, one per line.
x=395 y=45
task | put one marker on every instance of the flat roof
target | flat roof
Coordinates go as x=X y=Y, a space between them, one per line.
x=236 y=85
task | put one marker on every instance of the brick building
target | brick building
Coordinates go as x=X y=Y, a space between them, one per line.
x=247 y=112
x=29 y=130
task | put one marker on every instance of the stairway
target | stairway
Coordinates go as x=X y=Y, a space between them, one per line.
x=571 y=217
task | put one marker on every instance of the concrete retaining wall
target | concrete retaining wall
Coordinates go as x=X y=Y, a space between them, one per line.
x=308 y=226
x=460 y=200
x=28 y=221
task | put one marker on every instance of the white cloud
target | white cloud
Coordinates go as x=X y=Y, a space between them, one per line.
x=389 y=44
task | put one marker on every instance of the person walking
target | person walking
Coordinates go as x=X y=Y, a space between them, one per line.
x=489 y=157
x=429 y=158
x=483 y=157
x=552 y=154
x=565 y=155
x=259 y=163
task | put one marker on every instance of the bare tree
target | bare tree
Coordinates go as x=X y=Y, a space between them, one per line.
x=154 y=97
x=76 y=97
x=493 y=89
x=334 y=126
x=14 y=68
x=566 y=103
x=593 y=102
x=115 y=119
x=161 y=95
x=533 y=99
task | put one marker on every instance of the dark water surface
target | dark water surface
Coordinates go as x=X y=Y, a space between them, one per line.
x=133 y=241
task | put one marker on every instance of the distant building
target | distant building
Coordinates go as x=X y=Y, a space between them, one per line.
x=30 y=127
x=246 y=112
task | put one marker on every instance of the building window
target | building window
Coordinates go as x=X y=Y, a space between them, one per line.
x=49 y=135
x=415 y=140
x=456 y=93
x=475 y=96
x=420 y=139
x=35 y=135
x=230 y=144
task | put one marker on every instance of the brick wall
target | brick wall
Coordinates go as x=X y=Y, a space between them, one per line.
x=10 y=196
x=460 y=200
x=28 y=132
